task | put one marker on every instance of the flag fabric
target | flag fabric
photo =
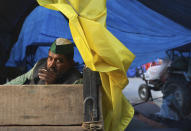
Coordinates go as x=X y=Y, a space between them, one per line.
x=101 y=52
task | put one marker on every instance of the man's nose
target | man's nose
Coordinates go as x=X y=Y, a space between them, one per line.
x=53 y=63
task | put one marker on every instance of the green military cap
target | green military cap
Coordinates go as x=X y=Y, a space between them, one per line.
x=62 y=46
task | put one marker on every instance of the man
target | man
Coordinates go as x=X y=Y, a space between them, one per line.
x=58 y=68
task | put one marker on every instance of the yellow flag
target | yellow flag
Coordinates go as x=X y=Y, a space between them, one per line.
x=101 y=52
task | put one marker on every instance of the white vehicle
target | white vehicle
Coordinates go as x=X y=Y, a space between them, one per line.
x=172 y=78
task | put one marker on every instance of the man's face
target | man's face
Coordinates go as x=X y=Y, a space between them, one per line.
x=58 y=63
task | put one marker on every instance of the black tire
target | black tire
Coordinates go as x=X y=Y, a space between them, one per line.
x=179 y=88
x=144 y=92
x=182 y=101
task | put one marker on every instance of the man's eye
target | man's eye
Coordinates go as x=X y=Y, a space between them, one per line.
x=60 y=61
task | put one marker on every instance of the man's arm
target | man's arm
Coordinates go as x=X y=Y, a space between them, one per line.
x=20 y=80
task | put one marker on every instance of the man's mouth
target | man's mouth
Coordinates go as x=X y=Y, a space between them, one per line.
x=52 y=69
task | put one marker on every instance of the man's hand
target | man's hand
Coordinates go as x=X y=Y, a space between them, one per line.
x=48 y=76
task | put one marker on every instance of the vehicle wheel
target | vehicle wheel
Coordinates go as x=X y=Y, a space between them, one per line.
x=178 y=87
x=144 y=92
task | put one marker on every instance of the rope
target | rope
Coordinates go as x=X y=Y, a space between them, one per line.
x=93 y=125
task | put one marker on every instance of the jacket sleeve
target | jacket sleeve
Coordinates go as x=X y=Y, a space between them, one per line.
x=20 y=80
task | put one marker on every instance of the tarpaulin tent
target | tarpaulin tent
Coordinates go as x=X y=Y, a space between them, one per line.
x=145 y=32
x=176 y=10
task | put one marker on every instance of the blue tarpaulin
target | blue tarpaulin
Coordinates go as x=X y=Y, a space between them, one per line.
x=143 y=31
x=39 y=30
